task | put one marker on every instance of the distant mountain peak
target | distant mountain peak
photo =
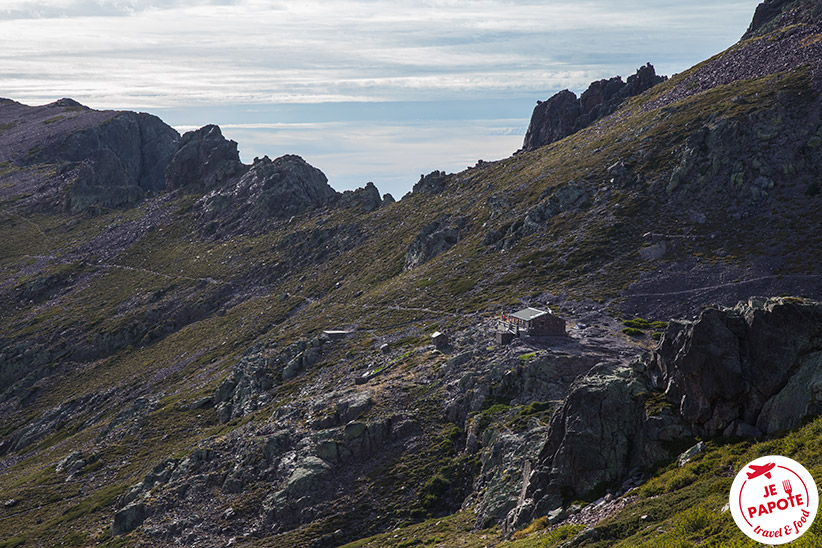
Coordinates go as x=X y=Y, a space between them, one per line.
x=66 y=102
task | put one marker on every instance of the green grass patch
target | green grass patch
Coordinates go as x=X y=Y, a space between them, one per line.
x=655 y=403
x=100 y=499
x=633 y=332
x=537 y=525
x=637 y=323
x=460 y=286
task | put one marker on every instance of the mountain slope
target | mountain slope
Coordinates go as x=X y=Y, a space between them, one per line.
x=164 y=374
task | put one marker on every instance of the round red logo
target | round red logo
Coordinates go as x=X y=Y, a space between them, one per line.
x=774 y=500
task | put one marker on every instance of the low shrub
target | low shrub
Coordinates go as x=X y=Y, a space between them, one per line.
x=537 y=525
x=637 y=323
x=693 y=521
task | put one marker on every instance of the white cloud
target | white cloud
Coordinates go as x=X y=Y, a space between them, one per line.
x=168 y=51
x=41 y=9
x=166 y=54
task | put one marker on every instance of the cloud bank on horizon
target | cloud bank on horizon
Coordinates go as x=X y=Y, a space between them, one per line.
x=283 y=60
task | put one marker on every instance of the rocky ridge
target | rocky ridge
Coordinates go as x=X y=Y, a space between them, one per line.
x=116 y=159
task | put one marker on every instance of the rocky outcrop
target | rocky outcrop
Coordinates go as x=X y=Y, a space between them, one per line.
x=433 y=183
x=51 y=420
x=552 y=120
x=565 y=114
x=74 y=463
x=503 y=397
x=721 y=371
x=773 y=14
x=116 y=163
x=554 y=201
x=248 y=386
x=204 y=160
x=433 y=239
x=735 y=372
x=366 y=198
x=604 y=411
x=301 y=467
x=268 y=190
x=127 y=519
x=136 y=146
x=100 y=159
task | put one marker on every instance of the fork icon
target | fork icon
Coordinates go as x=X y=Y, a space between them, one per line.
x=786 y=485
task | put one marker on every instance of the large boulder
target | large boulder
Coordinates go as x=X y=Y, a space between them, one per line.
x=604 y=410
x=128 y=519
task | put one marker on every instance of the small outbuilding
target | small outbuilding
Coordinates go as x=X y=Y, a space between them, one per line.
x=335 y=334
x=439 y=340
x=534 y=322
x=504 y=337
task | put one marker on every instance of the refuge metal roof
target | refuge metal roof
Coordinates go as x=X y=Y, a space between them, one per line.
x=528 y=314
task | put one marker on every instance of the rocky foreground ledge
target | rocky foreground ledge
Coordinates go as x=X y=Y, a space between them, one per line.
x=746 y=371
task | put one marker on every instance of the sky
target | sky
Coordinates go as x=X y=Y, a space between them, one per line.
x=365 y=90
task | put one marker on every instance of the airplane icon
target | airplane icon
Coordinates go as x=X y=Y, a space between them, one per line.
x=760 y=470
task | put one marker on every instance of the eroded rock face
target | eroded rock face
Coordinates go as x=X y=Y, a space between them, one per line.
x=204 y=160
x=116 y=163
x=727 y=365
x=735 y=371
x=367 y=198
x=564 y=113
x=597 y=436
x=303 y=471
x=261 y=368
x=552 y=120
x=772 y=10
x=269 y=190
x=569 y=197
x=433 y=183
x=100 y=159
x=433 y=239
